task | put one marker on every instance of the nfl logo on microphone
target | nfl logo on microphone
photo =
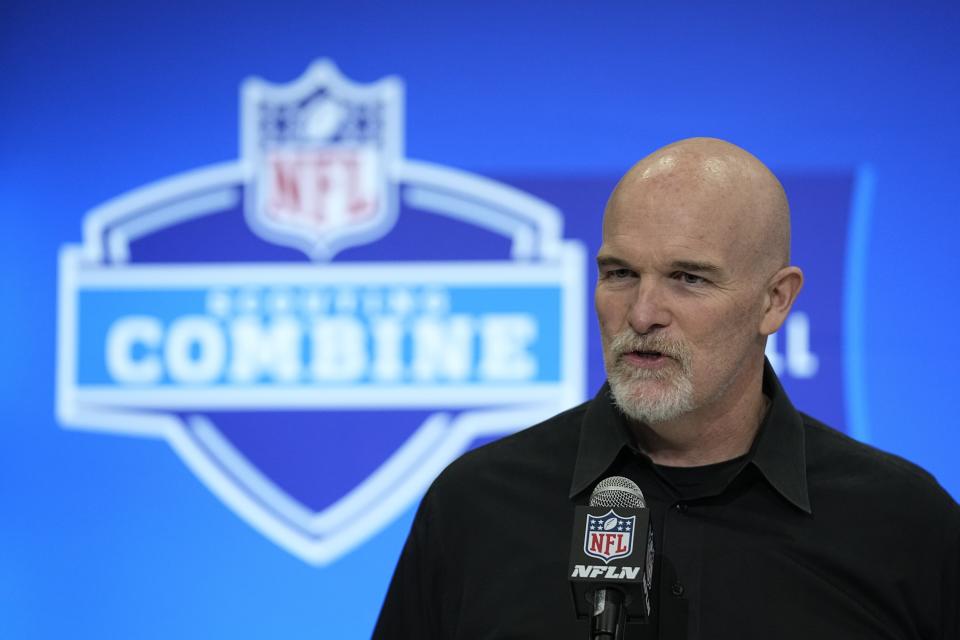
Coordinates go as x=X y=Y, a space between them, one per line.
x=609 y=536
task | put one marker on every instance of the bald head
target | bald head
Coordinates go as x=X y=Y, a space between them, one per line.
x=716 y=185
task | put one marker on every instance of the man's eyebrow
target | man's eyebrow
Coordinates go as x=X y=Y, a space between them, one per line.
x=610 y=261
x=693 y=266
x=696 y=267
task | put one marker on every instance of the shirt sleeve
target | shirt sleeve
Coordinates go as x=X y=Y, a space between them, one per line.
x=417 y=602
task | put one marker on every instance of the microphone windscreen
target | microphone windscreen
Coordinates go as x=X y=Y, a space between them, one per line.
x=617 y=491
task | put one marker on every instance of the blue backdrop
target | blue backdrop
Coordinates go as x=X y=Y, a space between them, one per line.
x=854 y=105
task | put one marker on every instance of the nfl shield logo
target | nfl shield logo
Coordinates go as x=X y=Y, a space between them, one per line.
x=321 y=158
x=608 y=536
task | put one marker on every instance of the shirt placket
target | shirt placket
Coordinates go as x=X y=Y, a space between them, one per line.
x=681 y=570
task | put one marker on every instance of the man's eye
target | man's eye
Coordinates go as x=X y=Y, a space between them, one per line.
x=618 y=274
x=689 y=278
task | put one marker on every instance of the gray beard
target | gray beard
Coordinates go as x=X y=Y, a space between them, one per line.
x=675 y=396
x=651 y=407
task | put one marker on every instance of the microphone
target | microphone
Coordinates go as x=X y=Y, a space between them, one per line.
x=617 y=491
x=616 y=529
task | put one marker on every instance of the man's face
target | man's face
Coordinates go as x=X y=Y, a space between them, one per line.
x=678 y=299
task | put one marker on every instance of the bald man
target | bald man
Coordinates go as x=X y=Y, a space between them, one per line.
x=767 y=523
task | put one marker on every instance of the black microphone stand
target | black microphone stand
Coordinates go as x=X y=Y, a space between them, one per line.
x=609 y=615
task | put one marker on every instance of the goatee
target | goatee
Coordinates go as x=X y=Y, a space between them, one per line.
x=649 y=395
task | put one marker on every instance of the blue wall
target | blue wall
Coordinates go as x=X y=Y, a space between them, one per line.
x=109 y=536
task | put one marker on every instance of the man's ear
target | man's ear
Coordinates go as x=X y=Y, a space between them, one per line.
x=782 y=290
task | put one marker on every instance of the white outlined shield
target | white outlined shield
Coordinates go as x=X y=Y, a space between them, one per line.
x=609 y=536
x=321 y=157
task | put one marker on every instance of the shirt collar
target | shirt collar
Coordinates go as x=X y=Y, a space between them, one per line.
x=603 y=433
x=778 y=451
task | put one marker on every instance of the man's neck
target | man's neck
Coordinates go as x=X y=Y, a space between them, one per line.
x=706 y=436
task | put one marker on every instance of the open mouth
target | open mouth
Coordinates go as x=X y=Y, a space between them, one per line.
x=647 y=356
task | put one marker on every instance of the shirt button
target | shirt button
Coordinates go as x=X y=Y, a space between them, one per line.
x=677 y=589
x=681 y=507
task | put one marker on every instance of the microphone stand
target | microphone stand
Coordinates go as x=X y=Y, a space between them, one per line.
x=609 y=615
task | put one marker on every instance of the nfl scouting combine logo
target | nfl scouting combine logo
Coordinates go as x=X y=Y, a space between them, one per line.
x=318 y=328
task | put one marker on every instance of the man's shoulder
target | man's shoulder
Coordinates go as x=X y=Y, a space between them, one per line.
x=543 y=453
x=842 y=465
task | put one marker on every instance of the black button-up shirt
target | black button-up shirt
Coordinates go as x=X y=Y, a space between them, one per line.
x=810 y=535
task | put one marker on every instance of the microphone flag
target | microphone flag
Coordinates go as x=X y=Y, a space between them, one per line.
x=611 y=549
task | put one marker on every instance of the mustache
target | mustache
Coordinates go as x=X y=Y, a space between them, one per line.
x=629 y=341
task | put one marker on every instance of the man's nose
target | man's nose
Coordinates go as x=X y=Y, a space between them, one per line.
x=649 y=310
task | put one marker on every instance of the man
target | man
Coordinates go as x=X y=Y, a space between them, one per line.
x=767 y=523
